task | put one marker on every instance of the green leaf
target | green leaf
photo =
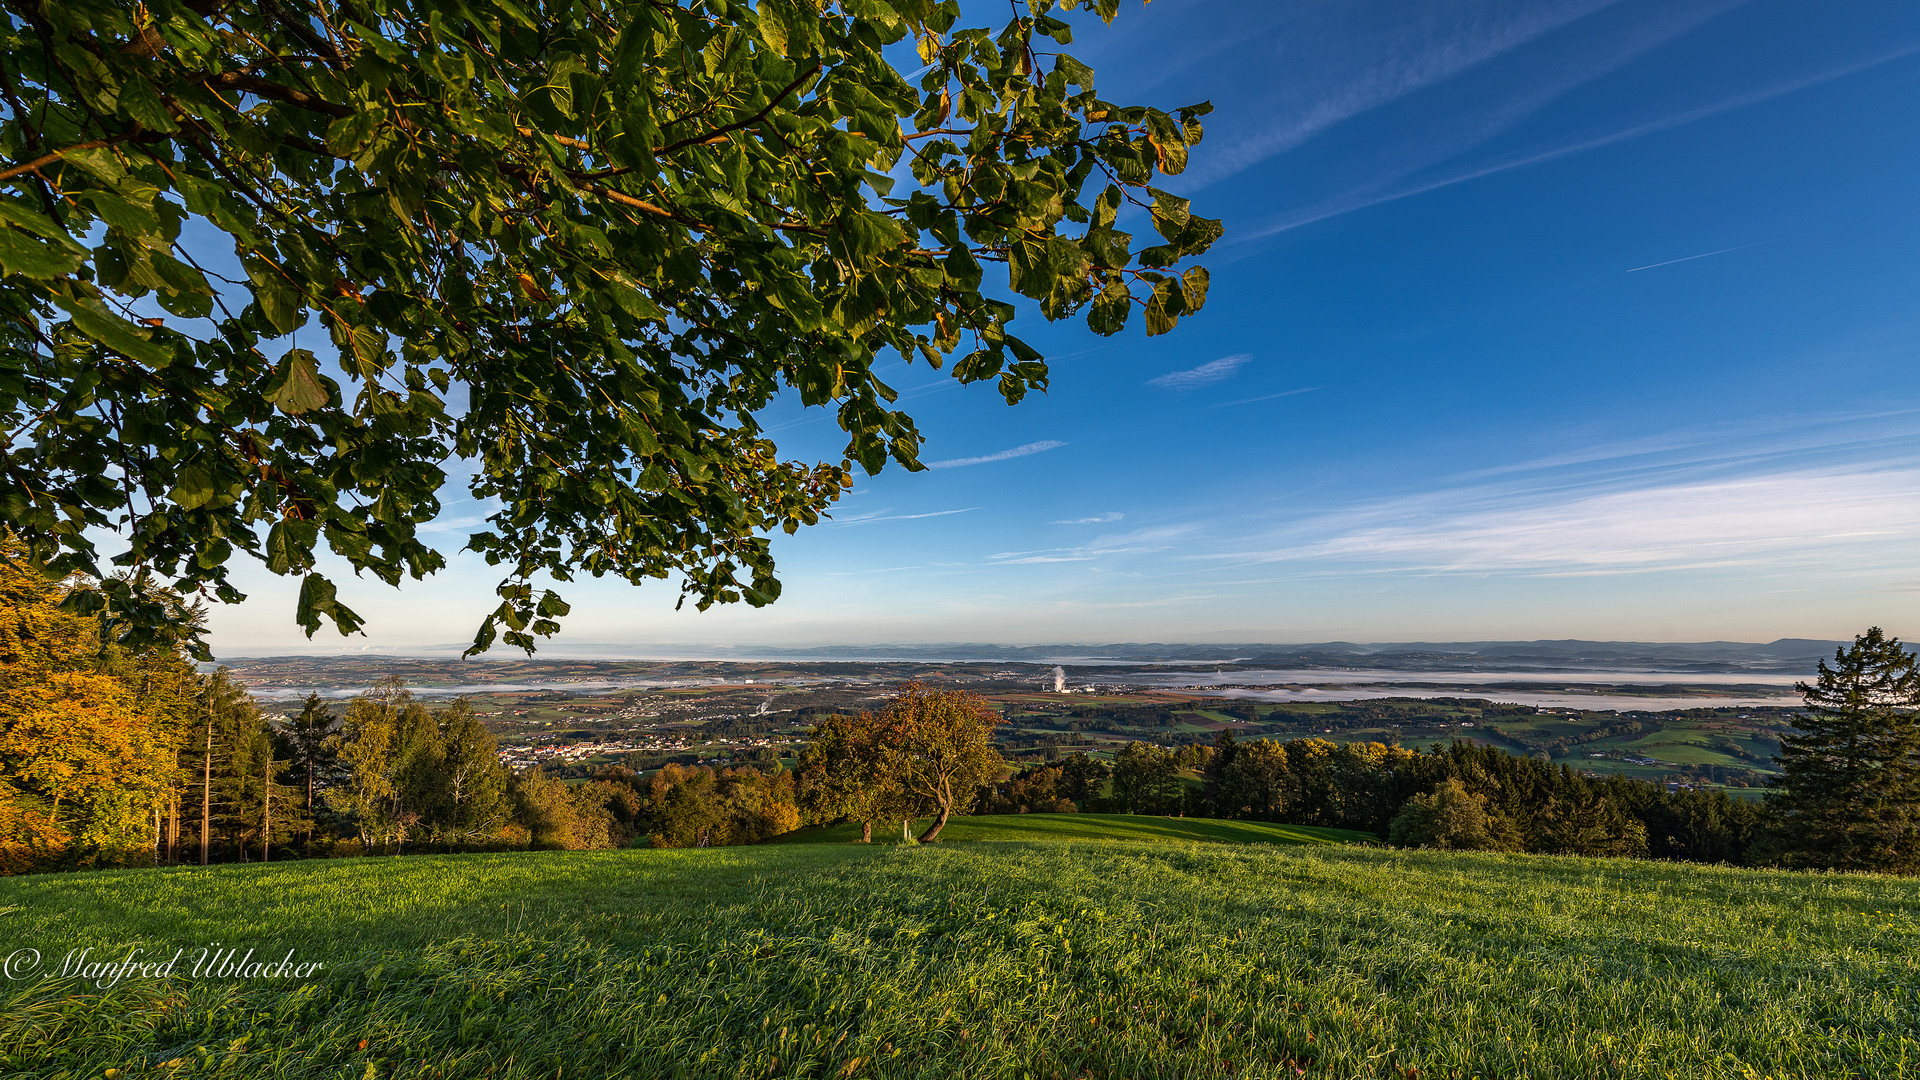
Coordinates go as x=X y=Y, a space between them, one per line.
x=1169 y=142
x=32 y=257
x=1110 y=309
x=775 y=22
x=98 y=162
x=1199 y=234
x=140 y=104
x=296 y=385
x=92 y=319
x=869 y=234
x=1107 y=247
x=346 y=135
x=319 y=599
x=290 y=546
x=1170 y=213
x=1160 y=320
x=195 y=485
x=1074 y=71
x=636 y=303
x=34 y=222
x=1194 y=286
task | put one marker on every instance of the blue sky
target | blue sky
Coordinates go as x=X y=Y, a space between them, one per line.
x=1533 y=319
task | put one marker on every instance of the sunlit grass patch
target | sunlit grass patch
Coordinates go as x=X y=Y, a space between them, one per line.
x=1010 y=959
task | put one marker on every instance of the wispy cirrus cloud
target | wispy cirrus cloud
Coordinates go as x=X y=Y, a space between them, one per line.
x=1135 y=542
x=1205 y=375
x=1402 y=188
x=1349 y=59
x=882 y=515
x=1098 y=519
x=1004 y=455
x=1862 y=516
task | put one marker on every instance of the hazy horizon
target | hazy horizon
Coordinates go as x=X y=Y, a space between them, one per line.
x=874 y=650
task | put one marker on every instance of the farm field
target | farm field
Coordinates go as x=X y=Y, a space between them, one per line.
x=1018 y=960
x=996 y=827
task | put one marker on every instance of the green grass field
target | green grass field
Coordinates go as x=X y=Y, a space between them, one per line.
x=1092 y=827
x=1030 y=961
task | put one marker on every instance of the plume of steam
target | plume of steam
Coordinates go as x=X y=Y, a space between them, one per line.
x=1059 y=680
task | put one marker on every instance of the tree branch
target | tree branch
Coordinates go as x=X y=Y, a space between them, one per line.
x=749 y=121
x=48 y=159
x=273 y=91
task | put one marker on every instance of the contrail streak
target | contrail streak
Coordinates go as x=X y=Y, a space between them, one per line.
x=1702 y=255
x=1266 y=397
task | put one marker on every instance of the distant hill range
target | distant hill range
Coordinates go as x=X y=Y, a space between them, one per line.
x=1796 y=656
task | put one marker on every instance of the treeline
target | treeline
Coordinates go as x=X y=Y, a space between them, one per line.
x=1461 y=797
x=1847 y=797
x=119 y=751
x=926 y=754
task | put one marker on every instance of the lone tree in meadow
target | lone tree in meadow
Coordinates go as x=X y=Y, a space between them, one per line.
x=1849 y=789
x=278 y=272
x=846 y=774
x=928 y=751
x=938 y=745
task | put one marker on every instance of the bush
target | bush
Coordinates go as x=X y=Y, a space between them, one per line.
x=1449 y=818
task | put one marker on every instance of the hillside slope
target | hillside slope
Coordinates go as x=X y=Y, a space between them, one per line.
x=1066 y=960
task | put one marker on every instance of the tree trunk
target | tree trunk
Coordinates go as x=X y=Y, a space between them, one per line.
x=266 y=808
x=309 y=804
x=206 y=790
x=942 y=794
x=933 y=831
x=866 y=832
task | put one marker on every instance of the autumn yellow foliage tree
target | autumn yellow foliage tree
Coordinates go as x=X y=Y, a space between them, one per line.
x=939 y=749
x=84 y=767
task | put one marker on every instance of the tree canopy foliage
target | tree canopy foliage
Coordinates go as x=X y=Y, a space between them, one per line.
x=571 y=246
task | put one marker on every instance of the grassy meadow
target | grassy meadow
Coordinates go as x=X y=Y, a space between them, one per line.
x=1026 y=960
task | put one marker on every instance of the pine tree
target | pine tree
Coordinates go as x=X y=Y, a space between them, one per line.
x=1849 y=790
x=312 y=737
x=1224 y=750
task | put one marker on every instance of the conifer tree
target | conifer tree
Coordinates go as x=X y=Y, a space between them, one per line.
x=312 y=739
x=1849 y=790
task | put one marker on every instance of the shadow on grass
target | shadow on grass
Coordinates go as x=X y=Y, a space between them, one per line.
x=992 y=827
